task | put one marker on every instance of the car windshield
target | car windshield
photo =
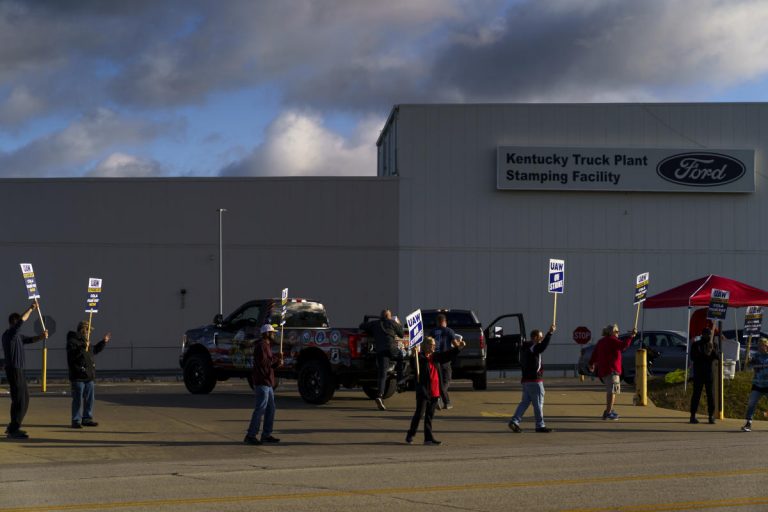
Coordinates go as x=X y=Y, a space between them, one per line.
x=455 y=319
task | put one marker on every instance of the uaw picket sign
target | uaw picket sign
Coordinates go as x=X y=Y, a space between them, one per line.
x=625 y=169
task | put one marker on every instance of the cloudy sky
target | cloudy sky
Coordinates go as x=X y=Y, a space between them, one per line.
x=303 y=87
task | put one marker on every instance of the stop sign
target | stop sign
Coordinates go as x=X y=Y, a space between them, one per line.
x=582 y=335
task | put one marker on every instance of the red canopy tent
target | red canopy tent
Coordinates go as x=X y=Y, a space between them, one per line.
x=698 y=293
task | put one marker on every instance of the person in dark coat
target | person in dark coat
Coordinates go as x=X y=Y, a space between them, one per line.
x=13 y=349
x=385 y=331
x=703 y=354
x=82 y=372
x=532 y=380
x=263 y=376
x=444 y=337
x=428 y=387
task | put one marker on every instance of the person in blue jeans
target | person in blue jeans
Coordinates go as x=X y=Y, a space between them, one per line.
x=264 y=364
x=532 y=380
x=759 y=382
x=82 y=372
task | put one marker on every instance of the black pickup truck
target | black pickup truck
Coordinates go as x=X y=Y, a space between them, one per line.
x=319 y=357
x=487 y=349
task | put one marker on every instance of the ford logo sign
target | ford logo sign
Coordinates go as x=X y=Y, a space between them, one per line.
x=701 y=169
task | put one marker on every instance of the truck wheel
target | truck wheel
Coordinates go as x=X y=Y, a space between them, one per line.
x=316 y=383
x=199 y=377
x=372 y=390
x=480 y=381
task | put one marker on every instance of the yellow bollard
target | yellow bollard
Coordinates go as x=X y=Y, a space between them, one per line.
x=641 y=377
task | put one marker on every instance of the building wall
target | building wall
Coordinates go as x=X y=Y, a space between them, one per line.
x=465 y=244
x=330 y=239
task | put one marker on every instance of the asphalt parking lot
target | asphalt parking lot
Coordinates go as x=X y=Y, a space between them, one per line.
x=157 y=447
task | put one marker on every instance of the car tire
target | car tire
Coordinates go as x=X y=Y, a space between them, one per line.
x=372 y=390
x=316 y=382
x=199 y=377
x=480 y=381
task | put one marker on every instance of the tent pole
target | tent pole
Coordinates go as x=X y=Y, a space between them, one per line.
x=687 y=347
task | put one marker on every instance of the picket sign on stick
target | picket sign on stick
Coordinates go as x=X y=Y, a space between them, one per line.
x=556 y=283
x=753 y=323
x=641 y=292
x=92 y=305
x=28 y=273
x=283 y=311
x=415 y=335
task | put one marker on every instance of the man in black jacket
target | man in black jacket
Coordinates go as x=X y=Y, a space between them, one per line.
x=703 y=354
x=13 y=348
x=385 y=332
x=532 y=380
x=82 y=372
x=428 y=387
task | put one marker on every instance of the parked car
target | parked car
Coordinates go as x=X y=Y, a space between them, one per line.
x=470 y=363
x=504 y=337
x=320 y=357
x=667 y=353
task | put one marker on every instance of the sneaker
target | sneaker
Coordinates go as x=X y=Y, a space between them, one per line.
x=514 y=427
x=76 y=424
x=711 y=420
x=449 y=405
x=613 y=415
x=747 y=427
x=543 y=430
x=693 y=420
x=433 y=442
x=270 y=439
x=380 y=404
x=409 y=438
x=90 y=423
x=18 y=434
x=251 y=440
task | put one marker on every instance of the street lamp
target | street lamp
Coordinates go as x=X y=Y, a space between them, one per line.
x=221 y=262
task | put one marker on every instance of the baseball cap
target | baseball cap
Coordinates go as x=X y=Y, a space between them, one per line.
x=267 y=328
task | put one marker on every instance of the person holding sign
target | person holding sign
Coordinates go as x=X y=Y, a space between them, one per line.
x=532 y=380
x=759 y=382
x=13 y=348
x=606 y=362
x=264 y=364
x=703 y=354
x=82 y=372
x=385 y=332
x=428 y=386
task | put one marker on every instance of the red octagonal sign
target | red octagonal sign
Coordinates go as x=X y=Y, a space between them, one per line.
x=582 y=335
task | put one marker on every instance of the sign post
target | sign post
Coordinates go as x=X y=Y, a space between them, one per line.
x=556 y=283
x=641 y=292
x=415 y=335
x=283 y=311
x=753 y=322
x=718 y=307
x=92 y=305
x=33 y=294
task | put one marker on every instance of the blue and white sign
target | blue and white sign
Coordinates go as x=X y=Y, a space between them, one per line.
x=556 y=276
x=94 y=290
x=29 y=280
x=415 y=328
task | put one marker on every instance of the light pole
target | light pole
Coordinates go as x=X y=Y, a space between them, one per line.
x=221 y=262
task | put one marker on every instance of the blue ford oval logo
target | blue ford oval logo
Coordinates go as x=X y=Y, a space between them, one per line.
x=701 y=169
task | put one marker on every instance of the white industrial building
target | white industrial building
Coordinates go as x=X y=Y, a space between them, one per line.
x=469 y=205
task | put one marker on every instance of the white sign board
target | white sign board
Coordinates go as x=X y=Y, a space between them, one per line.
x=415 y=328
x=566 y=169
x=556 y=276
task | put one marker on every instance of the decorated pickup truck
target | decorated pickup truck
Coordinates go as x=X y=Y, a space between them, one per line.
x=321 y=358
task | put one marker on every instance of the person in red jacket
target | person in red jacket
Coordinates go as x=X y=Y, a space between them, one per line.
x=606 y=362
x=264 y=364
